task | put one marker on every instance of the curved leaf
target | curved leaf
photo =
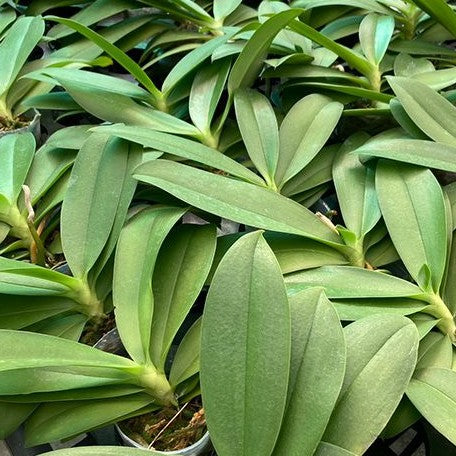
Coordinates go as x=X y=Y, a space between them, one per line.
x=246 y=331
x=381 y=357
x=414 y=193
x=220 y=195
x=317 y=353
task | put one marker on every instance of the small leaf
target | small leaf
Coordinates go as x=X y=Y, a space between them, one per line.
x=433 y=393
x=249 y=63
x=375 y=33
x=351 y=282
x=355 y=187
x=258 y=125
x=180 y=272
x=223 y=8
x=413 y=207
x=136 y=254
x=246 y=331
x=317 y=352
x=381 y=357
x=431 y=112
x=303 y=133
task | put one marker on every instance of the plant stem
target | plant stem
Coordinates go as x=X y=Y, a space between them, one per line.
x=438 y=309
x=88 y=301
x=157 y=385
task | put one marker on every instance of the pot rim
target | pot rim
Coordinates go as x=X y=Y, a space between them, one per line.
x=28 y=128
x=200 y=444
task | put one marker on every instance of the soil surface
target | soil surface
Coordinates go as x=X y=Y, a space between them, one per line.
x=93 y=332
x=168 y=430
x=13 y=124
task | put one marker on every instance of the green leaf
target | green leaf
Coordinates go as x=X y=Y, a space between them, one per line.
x=193 y=59
x=18 y=312
x=258 y=125
x=355 y=309
x=351 y=282
x=433 y=393
x=7 y=16
x=91 y=14
x=413 y=195
x=220 y=195
x=375 y=34
x=180 y=272
x=328 y=449
x=303 y=133
x=207 y=89
x=33 y=363
x=249 y=63
x=21 y=278
x=435 y=350
x=223 y=8
x=117 y=54
x=441 y=12
x=186 y=361
x=381 y=357
x=355 y=187
x=369 y=5
x=353 y=59
x=136 y=254
x=12 y=416
x=182 y=147
x=317 y=351
x=16 y=157
x=92 y=199
x=19 y=42
x=431 y=112
x=246 y=331
x=62 y=420
x=417 y=152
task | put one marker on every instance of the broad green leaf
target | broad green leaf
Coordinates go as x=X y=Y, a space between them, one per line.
x=404 y=416
x=355 y=187
x=351 y=282
x=317 y=352
x=223 y=8
x=317 y=172
x=375 y=33
x=246 y=329
x=449 y=291
x=303 y=132
x=407 y=66
x=18 y=312
x=258 y=125
x=182 y=147
x=439 y=79
x=207 y=89
x=441 y=12
x=136 y=254
x=220 y=195
x=7 y=15
x=381 y=357
x=355 y=309
x=180 y=272
x=249 y=63
x=431 y=112
x=369 y=5
x=33 y=363
x=12 y=416
x=16 y=155
x=193 y=59
x=101 y=451
x=92 y=199
x=433 y=393
x=117 y=54
x=21 y=278
x=61 y=420
x=186 y=361
x=67 y=326
x=16 y=47
x=417 y=152
x=435 y=351
x=414 y=193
